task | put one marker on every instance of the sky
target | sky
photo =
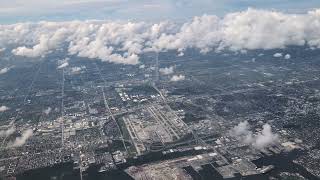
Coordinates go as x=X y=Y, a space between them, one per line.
x=14 y=11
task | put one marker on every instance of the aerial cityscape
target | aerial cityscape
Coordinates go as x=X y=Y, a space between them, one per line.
x=232 y=97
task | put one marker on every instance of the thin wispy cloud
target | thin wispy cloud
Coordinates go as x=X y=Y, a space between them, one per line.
x=21 y=140
x=63 y=63
x=7 y=132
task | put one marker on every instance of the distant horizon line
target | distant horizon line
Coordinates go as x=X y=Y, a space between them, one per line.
x=155 y=20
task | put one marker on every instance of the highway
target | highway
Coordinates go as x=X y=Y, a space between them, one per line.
x=112 y=117
x=62 y=109
x=108 y=108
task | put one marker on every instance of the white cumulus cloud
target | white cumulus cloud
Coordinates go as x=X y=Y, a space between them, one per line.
x=287 y=56
x=241 y=129
x=265 y=138
x=4 y=108
x=167 y=70
x=46 y=43
x=180 y=54
x=176 y=78
x=4 y=70
x=260 y=140
x=142 y=66
x=277 y=55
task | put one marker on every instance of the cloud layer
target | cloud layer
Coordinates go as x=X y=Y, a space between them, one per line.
x=124 y=42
